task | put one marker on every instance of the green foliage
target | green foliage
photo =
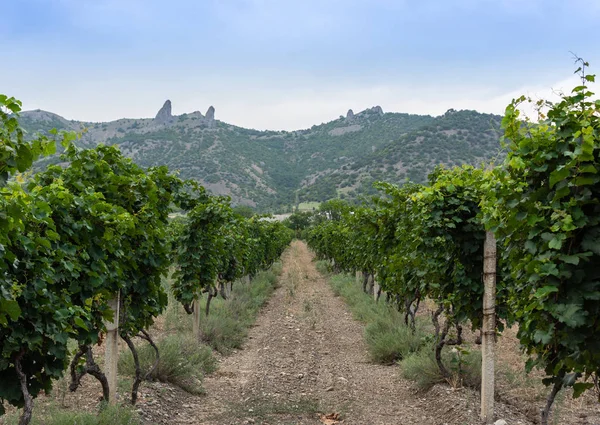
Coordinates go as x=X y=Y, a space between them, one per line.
x=16 y=153
x=299 y=221
x=268 y=168
x=201 y=245
x=548 y=214
x=76 y=235
x=244 y=211
x=421 y=241
x=447 y=247
x=542 y=203
x=35 y=319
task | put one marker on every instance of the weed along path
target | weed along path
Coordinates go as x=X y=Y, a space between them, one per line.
x=306 y=358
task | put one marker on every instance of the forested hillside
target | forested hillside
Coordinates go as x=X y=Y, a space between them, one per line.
x=455 y=138
x=274 y=169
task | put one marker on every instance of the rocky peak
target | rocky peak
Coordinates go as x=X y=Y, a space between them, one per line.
x=210 y=117
x=350 y=115
x=164 y=114
x=377 y=109
x=371 y=112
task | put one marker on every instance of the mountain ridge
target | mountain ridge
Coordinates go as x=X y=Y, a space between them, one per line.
x=269 y=169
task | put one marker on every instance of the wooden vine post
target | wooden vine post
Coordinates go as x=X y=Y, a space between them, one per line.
x=488 y=348
x=196 y=317
x=112 y=349
x=376 y=289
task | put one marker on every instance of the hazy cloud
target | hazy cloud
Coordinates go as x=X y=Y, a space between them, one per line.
x=286 y=64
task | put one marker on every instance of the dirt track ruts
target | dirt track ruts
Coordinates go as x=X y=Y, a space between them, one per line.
x=306 y=356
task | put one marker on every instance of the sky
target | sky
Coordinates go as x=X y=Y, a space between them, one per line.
x=282 y=64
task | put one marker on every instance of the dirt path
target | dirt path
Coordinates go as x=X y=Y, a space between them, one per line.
x=306 y=356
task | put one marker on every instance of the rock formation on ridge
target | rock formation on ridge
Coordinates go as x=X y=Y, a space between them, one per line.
x=164 y=114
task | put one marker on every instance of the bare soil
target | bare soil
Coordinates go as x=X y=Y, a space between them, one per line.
x=305 y=362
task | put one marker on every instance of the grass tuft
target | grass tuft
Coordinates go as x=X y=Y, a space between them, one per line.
x=389 y=341
x=464 y=365
x=226 y=327
x=323 y=267
x=388 y=338
x=183 y=362
x=109 y=415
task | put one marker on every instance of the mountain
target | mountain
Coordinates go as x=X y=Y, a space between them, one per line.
x=455 y=138
x=271 y=169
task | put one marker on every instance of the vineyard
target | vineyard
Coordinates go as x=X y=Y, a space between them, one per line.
x=539 y=210
x=84 y=248
x=87 y=245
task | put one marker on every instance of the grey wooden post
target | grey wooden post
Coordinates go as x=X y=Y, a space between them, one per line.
x=488 y=334
x=111 y=359
x=196 y=317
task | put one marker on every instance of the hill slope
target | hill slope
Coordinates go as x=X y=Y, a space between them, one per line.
x=455 y=138
x=268 y=169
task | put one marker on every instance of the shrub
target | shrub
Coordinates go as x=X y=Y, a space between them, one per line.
x=389 y=341
x=421 y=368
x=183 y=362
x=323 y=267
x=226 y=326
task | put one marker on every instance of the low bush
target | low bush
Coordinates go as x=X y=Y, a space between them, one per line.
x=387 y=337
x=183 y=362
x=323 y=267
x=389 y=341
x=226 y=327
x=464 y=366
x=362 y=305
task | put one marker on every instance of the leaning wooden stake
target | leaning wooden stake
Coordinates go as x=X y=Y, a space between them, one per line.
x=112 y=350
x=488 y=333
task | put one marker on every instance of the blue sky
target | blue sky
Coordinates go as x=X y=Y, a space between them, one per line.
x=282 y=64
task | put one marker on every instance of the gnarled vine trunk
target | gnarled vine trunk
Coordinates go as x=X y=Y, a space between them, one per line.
x=411 y=306
x=138 y=370
x=27 y=398
x=146 y=336
x=90 y=368
x=545 y=411
x=365 y=281
x=371 y=283
x=222 y=290
x=212 y=292
x=137 y=380
x=441 y=332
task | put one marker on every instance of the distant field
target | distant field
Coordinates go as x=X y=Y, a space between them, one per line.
x=308 y=206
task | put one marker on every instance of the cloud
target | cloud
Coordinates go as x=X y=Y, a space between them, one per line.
x=288 y=64
x=281 y=105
